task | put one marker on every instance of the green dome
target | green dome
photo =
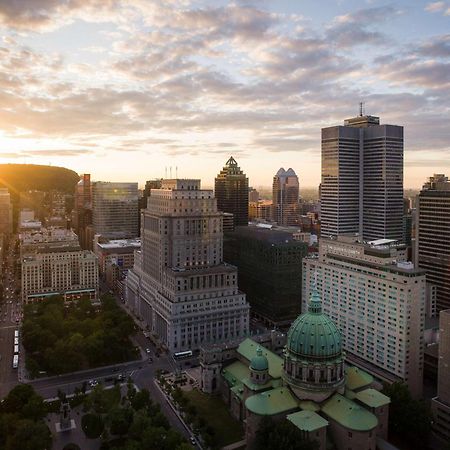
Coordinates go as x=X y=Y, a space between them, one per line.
x=314 y=335
x=259 y=362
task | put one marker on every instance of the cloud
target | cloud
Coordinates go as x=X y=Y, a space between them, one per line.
x=49 y=15
x=438 y=46
x=174 y=79
x=435 y=7
x=356 y=28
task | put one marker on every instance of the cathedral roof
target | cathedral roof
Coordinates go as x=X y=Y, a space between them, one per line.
x=313 y=334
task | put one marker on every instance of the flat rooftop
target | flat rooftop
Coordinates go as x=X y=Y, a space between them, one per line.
x=120 y=243
x=271 y=236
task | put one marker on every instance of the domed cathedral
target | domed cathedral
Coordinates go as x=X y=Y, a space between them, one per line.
x=310 y=385
x=313 y=361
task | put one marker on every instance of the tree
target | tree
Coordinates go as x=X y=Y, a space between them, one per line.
x=119 y=420
x=141 y=400
x=92 y=425
x=409 y=419
x=30 y=435
x=273 y=435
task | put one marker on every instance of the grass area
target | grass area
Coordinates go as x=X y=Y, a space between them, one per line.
x=215 y=413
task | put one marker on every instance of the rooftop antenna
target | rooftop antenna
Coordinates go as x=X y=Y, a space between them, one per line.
x=170 y=171
x=176 y=172
x=361 y=109
x=165 y=172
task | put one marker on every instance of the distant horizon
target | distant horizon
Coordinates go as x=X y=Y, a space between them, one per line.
x=206 y=185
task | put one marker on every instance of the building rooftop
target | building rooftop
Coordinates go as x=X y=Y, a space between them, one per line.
x=349 y=414
x=372 y=398
x=307 y=420
x=267 y=234
x=356 y=378
x=272 y=402
x=120 y=243
x=247 y=349
x=235 y=373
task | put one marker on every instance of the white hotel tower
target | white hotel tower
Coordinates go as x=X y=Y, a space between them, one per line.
x=180 y=285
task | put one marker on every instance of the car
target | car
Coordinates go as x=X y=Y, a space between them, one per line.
x=93 y=383
x=193 y=441
x=148 y=351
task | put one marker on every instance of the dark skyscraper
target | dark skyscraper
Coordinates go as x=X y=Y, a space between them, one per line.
x=362 y=179
x=433 y=236
x=231 y=191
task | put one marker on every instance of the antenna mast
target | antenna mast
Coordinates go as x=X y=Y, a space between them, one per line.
x=361 y=109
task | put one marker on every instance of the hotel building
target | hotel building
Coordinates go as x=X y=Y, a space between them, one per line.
x=377 y=300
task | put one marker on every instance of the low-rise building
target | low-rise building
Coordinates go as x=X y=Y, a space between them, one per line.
x=70 y=274
x=115 y=258
x=53 y=263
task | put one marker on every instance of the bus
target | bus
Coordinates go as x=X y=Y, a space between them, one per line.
x=16 y=349
x=16 y=341
x=15 y=361
x=16 y=333
x=181 y=355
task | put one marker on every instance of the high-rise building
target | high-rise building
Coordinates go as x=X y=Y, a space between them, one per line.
x=6 y=219
x=433 y=235
x=115 y=210
x=440 y=405
x=231 y=191
x=377 y=299
x=253 y=195
x=82 y=212
x=285 y=198
x=362 y=179
x=180 y=285
x=270 y=271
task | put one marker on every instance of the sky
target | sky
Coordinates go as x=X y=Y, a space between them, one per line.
x=130 y=90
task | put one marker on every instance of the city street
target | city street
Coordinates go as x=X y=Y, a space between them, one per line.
x=10 y=315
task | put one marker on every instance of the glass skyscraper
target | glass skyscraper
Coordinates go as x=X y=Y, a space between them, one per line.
x=362 y=179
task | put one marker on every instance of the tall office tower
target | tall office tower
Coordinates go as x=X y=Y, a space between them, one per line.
x=440 y=405
x=362 y=179
x=231 y=191
x=377 y=299
x=115 y=210
x=433 y=235
x=179 y=284
x=285 y=198
x=82 y=213
x=6 y=221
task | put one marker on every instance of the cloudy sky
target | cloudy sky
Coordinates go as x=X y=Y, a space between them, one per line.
x=125 y=88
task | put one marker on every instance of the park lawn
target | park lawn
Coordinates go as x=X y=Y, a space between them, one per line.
x=215 y=413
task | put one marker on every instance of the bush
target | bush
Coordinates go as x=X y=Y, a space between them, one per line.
x=92 y=425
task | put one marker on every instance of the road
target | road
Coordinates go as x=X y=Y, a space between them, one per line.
x=10 y=314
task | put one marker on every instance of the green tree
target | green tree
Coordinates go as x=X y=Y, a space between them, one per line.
x=92 y=425
x=409 y=419
x=30 y=435
x=141 y=400
x=119 y=420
